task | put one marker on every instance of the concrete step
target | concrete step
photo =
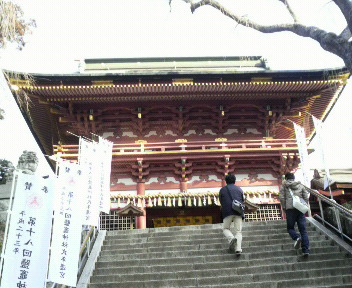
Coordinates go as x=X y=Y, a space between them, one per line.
x=229 y=267
x=285 y=245
x=299 y=278
x=214 y=259
x=186 y=229
x=256 y=235
x=211 y=252
x=225 y=272
x=246 y=242
x=198 y=256
x=162 y=233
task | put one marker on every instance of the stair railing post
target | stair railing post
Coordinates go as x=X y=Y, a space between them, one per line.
x=337 y=214
x=321 y=210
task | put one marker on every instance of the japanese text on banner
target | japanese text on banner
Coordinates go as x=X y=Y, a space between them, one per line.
x=27 y=249
x=105 y=150
x=66 y=238
x=89 y=163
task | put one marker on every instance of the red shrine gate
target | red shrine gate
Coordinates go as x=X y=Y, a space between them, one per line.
x=180 y=125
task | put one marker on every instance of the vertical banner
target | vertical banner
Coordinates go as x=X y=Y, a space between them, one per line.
x=105 y=150
x=303 y=153
x=66 y=237
x=89 y=163
x=320 y=143
x=27 y=249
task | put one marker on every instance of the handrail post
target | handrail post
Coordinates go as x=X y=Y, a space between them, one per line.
x=321 y=210
x=337 y=214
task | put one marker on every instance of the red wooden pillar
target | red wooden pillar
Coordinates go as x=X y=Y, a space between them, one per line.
x=141 y=221
x=183 y=185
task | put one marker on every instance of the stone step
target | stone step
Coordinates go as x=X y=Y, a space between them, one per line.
x=230 y=267
x=198 y=256
x=246 y=242
x=269 y=234
x=218 y=260
x=212 y=252
x=186 y=229
x=225 y=262
x=190 y=229
x=285 y=245
x=299 y=278
x=248 y=230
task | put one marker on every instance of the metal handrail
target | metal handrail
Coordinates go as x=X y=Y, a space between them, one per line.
x=337 y=209
x=329 y=201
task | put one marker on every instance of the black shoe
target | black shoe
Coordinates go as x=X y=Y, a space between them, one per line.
x=238 y=252
x=233 y=244
x=297 y=244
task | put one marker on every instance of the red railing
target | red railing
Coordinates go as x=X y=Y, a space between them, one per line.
x=180 y=146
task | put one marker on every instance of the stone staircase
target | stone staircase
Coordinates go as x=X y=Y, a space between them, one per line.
x=198 y=256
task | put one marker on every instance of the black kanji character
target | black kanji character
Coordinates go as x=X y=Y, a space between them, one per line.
x=27 y=253
x=25 y=263
x=45 y=189
x=21 y=285
x=30 y=231
x=23 y=274
x=29 y=242
x=28 y=185
x=32 y=221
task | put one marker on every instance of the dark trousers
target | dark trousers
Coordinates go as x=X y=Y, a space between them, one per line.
x=294 y=216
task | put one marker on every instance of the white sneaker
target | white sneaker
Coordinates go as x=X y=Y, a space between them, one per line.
x=297 y=244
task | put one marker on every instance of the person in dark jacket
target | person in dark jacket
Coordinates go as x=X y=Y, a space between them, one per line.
x=226 y=195
x=294 y=216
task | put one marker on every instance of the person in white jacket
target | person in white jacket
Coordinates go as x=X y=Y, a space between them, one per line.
x=294 y=216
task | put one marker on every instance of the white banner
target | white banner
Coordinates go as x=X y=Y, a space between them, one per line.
x=89 y=162
x=105 y=150
x=303 y=153
x=320 y=144
x=66 y=238
x=27 y=249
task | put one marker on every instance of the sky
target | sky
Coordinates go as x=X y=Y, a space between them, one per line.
x=71 y=30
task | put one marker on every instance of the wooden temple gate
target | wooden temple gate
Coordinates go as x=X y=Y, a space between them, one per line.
x=180 y=125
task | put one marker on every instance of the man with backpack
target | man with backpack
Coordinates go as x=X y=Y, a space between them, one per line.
x=289 y=188
x=226 y=195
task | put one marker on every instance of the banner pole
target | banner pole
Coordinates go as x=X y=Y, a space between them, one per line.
x=58 y=161
x=9 y=211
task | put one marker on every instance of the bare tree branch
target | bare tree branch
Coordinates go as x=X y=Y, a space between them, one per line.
x=292 y=13
x=346 y=33
x=328 y=41
x=346 y=9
